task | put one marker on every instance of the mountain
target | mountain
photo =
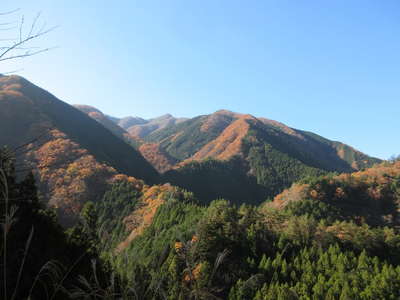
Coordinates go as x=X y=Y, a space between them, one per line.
x=371 y=196
x=102 y=119
x=75 y=158
x=153 y=153
x=238 y=156
x=235 y=156
x=338 y=235
x=128 y=122
x=327 y=236
x=108 y=123
x=140 y=128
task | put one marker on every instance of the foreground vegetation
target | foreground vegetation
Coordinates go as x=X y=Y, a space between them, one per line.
x=307 y=248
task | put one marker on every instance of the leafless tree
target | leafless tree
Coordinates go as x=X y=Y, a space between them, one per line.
x=18 y=44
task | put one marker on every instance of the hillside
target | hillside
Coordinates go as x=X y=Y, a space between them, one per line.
x=272 y=156
x=160 y=241
x=232 y=155
x=152 y=152
x=183 y=140
x=335 y=238
x=140 y=128
x=108 y=123
x=371 y=196
x=74 y=157
x=102 y=119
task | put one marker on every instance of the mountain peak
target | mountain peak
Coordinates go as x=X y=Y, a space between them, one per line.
x=225 y=112
x=164 y=117
x=87 y=108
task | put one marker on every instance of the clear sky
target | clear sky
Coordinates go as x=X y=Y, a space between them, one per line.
x=331 y=67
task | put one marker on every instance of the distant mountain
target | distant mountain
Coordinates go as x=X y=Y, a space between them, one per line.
x=128 y=122
x=158 y=157
x=76 y=158
x=239 y=156
x=140 y=128
x=104 y=120
x=235 y=156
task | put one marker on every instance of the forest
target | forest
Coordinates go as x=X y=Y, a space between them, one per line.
x=224 y=206
x=314 y=247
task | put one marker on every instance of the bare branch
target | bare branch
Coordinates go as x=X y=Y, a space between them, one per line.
x=18 y=47
x=34 y=23
x=20 y=28
x=26 y=54
x=25 y=40
x=10 y=12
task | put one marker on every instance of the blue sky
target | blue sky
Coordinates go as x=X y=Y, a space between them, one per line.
x=331 y=67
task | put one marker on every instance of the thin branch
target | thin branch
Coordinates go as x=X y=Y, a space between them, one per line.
x=20 y=48
x=27 y=246
x=25 y=40
x=10 y=12
x=34 y=23
x=27 y=54
x=17 y=49
x=21 y=27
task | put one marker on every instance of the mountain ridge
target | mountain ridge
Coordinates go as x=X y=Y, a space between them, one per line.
x=75 y=158
x=272 y=154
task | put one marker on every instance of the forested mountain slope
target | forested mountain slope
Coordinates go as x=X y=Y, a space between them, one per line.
x=372 y=195
x=140 y=128
x=111 y=125
x=332 y=237
x=238 y=156
x=74 y=157
x=329 y=236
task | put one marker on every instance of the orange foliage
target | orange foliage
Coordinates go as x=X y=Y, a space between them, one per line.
x=218 y=120
x=142 y=217
x=157 y=157
x=195 y=239
x=380 y=174
x=228 y=143
x=69 y=176
x=195 y=273
x=373 y=180
x=178 y=246
x=296 y=193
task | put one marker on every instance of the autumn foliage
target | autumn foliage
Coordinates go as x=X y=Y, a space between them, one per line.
x=70 y=176
x=372 y=194
x=158 y=157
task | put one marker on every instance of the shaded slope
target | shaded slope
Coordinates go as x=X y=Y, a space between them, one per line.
x=96 y=114
x=185 y=139
x=228 y=143
x=159 y=158
x=75 y=158
x=271 y=154
x=118 y=131
x=140 y=128
x=212 y=179
x=49 y=112
x=205 y=136
x=128 y=122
